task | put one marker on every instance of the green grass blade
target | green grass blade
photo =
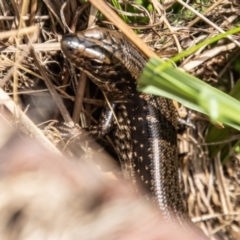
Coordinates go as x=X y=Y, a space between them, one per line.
x=172 y=83
x=217 y=135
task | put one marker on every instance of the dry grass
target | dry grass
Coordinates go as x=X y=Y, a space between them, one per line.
x=35 y=75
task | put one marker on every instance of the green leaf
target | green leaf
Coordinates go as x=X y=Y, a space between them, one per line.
x=173 y=83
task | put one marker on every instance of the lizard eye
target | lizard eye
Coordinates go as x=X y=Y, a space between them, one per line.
x=95 y=63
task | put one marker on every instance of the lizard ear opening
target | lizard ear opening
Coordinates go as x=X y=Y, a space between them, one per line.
x=69 y=50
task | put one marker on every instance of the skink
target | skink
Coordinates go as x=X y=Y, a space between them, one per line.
x=144 y=126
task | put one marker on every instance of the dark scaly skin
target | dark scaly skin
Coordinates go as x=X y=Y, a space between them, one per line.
x=145 y=132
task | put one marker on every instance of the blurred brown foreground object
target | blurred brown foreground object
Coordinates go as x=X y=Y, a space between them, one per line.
x=44 y=196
